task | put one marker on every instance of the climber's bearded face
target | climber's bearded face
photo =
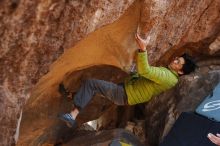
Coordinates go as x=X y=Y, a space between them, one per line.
x=177 y=64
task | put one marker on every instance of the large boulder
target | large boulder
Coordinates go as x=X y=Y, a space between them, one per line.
x=44 y=43
x=33 y=35
x=99 y=55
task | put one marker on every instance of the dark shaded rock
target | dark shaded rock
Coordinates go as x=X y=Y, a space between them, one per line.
x=104 y=138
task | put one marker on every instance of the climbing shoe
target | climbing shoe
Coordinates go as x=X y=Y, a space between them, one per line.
x=63 y=91
x=70 y=121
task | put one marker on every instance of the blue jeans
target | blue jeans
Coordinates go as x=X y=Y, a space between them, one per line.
x=114 y=92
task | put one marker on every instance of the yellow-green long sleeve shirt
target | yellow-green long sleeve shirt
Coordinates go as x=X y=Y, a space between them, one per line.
x=149 y=81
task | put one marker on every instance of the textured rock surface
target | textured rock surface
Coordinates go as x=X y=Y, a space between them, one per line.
x=105 y=46
x=176 y=26
x=35 y=33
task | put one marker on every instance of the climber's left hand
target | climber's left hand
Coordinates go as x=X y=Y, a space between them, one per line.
x=214 y=138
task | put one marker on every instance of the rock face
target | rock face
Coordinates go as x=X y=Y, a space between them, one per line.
x=100 y=61
x=176 y=26
x=74 y=40
x=33 y=35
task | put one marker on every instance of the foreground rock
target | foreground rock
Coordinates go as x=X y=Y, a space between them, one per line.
x=105 y=138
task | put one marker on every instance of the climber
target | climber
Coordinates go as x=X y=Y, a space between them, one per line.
x=149 y=81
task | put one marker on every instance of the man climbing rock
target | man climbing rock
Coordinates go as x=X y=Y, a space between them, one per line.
x=149 y=81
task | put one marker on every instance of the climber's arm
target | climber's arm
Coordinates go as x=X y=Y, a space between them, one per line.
x=157 y=74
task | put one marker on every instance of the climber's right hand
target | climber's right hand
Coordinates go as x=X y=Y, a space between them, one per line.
x=141 y=43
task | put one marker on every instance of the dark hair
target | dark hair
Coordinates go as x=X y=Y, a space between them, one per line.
x=189 y=65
